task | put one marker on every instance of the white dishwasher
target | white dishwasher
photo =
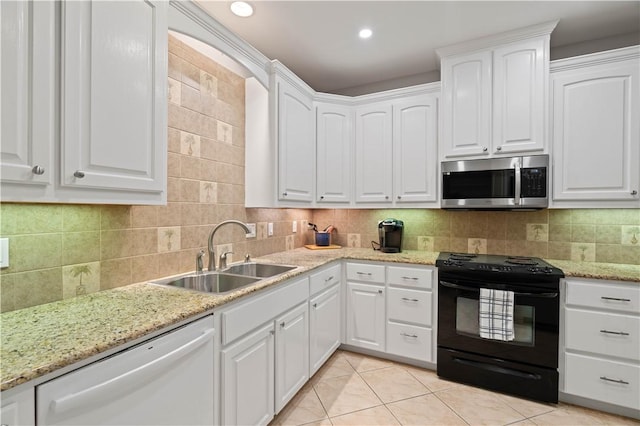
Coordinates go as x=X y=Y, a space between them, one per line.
x=167 y=380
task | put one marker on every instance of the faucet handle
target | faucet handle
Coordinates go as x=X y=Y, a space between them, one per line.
x=223 y=260
x=200 y=261
x=247 y=258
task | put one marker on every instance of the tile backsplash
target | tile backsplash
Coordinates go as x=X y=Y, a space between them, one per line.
x=60 y=251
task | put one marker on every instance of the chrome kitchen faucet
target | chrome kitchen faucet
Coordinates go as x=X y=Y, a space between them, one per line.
x=212 y=255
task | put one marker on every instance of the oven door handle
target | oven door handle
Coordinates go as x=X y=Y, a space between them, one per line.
x=477 y=289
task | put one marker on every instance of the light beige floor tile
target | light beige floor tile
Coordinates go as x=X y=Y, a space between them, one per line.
x=325 y=422
x=424 y=410
x=393 y=383
x=525 y=422
x=430 y=379
x=336 y=366
x=526 y=407
x=372 y=416
x=478 y=406
x=573 y=415
x=362 y=362
x=341 y=395
x=304 y=408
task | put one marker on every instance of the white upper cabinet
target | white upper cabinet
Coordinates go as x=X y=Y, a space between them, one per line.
x=415 y=139
x=596 y=130
x=28 y=96
x=84 y=102
x=334 y=144
x=373 y=153
x=295 y=135
x=494 y=94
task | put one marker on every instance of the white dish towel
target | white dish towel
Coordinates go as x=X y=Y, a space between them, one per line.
x=496 y=314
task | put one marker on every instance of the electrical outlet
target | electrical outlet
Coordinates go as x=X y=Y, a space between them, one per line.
x=294 y=227
x=4 y=252
x=270 y=229
x=252 y=230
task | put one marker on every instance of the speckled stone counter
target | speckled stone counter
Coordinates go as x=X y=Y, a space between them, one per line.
x=44 y=339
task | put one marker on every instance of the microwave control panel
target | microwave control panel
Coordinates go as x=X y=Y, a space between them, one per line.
x=534 y=182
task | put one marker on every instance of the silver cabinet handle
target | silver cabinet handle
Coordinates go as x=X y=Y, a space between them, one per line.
x=282 y=324
x=634 y=192
x=368 y=274
x=413 y=336
x=326 y=280
x=79 y=174
x=284 y=194
x=410 y=300
x=315 y=305
x=399 y=197
x=617 y=333
x=386 y=197
x=484 y=149
x=322 y=197
x=617 y=299
x=499 y=148
x=606 y=379
x=37 y=170
x=272 y=332
x=379 y=291
x=410 y=278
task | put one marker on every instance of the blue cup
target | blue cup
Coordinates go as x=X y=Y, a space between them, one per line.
x=323 y=238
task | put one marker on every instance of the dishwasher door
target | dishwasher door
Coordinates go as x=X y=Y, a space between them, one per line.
x=165 y=381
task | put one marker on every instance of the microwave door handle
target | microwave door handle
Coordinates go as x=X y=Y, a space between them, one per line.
x=516 y=197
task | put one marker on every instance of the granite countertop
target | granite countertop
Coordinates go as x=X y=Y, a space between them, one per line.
x=42 y=339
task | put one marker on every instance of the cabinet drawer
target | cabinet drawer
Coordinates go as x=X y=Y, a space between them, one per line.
x=409 y=341
x=603 y=333
x=603 y=295
x=325 y=279
x=409 y=306
x=603 y=380
x=413 y=277
x=365 y=272
x=248 y=315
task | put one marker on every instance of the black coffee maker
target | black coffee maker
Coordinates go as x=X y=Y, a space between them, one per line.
x=390 y=233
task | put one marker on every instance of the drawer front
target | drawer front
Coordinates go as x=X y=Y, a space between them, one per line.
x=407 y=305
x=254 y=312
x=366 y=273
x=603 y=333
x=603 y=380
x=325 y=279
x=410 y=277
x=604 y=295
x=409 y=341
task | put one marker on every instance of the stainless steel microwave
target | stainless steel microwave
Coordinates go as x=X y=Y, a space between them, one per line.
x=496 y=183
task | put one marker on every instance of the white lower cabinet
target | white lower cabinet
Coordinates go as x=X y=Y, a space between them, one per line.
x=601 y=350
x=18 y=408
x=366 y=316
x=168 y=380
x=324 y=327
x=248 y=380
x=292 y=354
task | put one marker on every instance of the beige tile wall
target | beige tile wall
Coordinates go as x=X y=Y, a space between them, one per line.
x=599 y=235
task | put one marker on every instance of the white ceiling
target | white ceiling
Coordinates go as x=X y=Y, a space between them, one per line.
x=318 y=40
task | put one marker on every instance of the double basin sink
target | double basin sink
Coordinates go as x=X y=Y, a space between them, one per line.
x=229 y=279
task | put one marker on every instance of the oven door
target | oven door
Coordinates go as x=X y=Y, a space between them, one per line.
x=536 y=318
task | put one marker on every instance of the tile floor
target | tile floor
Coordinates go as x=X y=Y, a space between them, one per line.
x=354 y=389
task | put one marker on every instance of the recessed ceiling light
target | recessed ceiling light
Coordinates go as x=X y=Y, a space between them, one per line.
x=365 y=33
x=241 y=8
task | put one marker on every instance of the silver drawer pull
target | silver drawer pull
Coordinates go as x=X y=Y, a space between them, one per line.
x=410 y=278
x=37 y=170
x=413 y=336
x=368 y=274
x=379 y=291
x=79 y=174
x=617 y=299
x=618 y=333
x=282 y=324
x=315 y=305
x=606 y=379
x=328 y=279
x=410 y=300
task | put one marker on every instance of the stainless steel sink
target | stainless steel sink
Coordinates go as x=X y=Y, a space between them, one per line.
x=254 y=269
x=213 y=282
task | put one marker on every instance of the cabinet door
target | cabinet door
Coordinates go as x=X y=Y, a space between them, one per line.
x=596 y=133
x=414 y=149
x=520 y=81
x=466 y=104
x=296 y=144
x=365 y=316
x=333 y=148
x=374 y=156
x=247 y=380
x=114 y=101
x=324 y=327
x=20 y=408
x=28 y=96
x=292 y=354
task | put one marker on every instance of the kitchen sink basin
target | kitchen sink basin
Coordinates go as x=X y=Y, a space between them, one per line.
x=262 y=270
x=213 y=282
